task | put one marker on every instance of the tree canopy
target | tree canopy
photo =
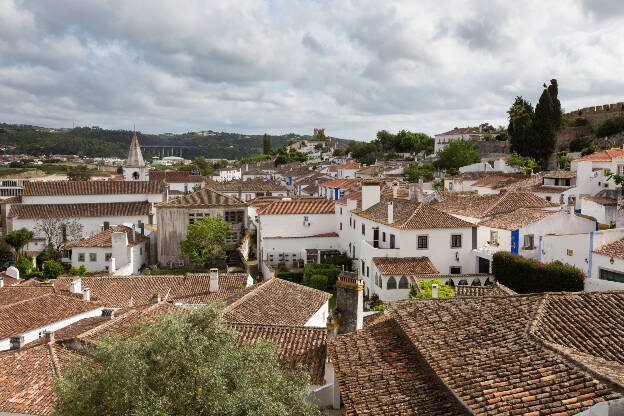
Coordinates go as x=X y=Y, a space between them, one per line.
x=205 y=240
x=183 y=364
x=415 y=171
x=426 y=287
x=528 y=164
x=266 y=144
x=18 y=239
x=456 y=154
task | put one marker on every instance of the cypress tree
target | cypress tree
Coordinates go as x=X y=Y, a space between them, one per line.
x=266 y=144
x=546 y=134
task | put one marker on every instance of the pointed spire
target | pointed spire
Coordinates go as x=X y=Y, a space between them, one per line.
x=135 y=157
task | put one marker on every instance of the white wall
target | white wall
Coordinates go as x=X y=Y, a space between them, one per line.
x=292 y=225
x=319 y=319
x=294 y=248
x=91 y=199
x=604 y=262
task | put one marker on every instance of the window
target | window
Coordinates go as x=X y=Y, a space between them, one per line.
x=367 y=271
x=403 y=283
x=391 y=283
x=494 y=237
x=379 y=283
x=391 y=240
x=455 y=270
x=456 y=240
x=362 y=268
x=340 y=211
x=423 y=242
x=349 y=222
x=234 y=217
x=611 y=276
x=196 y=216
x=141 y=251
x=81 y=256
x=306 y=219
x=528 y=242
x=620 y=170
x=340 y=226
x=383 y=237
x=548 y=199
x=363 y=229
x=92 y=256
x=107 y=256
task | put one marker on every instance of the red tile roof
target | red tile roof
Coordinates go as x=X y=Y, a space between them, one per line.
x=203 y=198
x=349 y=164
x=612 y=249
x=481 y=206
x=517 y=219
x=102 y=209
x=341 y=183
x=66 y=188
x=174 y=176
x=462 y=130
x=13 y=294
x=299 y=206
x=604 y=156
x=404 y=265
x=104 y=239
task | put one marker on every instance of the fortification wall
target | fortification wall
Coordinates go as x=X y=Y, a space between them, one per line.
x=595 y=116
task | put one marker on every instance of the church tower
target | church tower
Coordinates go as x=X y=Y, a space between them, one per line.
x=135 y=168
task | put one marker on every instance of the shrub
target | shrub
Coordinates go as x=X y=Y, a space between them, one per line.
x=35 y=275
x=444 y=291
x=25 y=266
x=580 y=121
x=52 y=269
x=530 y=276
x=340 y=261
x=578 y=144
x=610 y=127
x=80 y=271
x=296 y=277
x=328 y=270
x=317 y=281
x=378 y=308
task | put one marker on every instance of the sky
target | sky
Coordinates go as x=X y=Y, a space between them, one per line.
x=252 y=66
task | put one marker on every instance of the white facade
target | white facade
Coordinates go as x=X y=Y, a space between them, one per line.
x=226 y=175
x=499 y=165
x=319 y=319
x=98 y=259
x=441 y=140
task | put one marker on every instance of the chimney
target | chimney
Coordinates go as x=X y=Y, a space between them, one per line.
x=142 y=227
x=86 y=294
x=2 y=282
x=434 y=291
x=390 y=213
x=350 y=302
x=108 y=314
x=106 y=225
x=420 y=190
x=13 y=272
x=156 y=298
x=395 y=189
x=75 y=286
x=371 y=193
x=165 y=192
x=16 y=342
x=111 y=267
x=130 y=302
x=214 y=280
x=48 y=336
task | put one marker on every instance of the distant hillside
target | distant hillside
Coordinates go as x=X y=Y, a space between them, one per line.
x=94 y=142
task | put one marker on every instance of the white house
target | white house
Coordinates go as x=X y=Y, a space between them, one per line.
x=337 y=188
x=393 y=275
x=297 y=231
x=496 y=165
x=465 y=133
x=225 y=175
x=348 y=170
x=118 y=250
x=607 y=267
x=180 y=181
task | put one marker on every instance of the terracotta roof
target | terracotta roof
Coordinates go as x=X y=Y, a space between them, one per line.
x=550 y=189
x=499 y=180
x=604 y=156
x=192 y=288
x=100 y=209
x=296 y=345
x=356 y=195
x=277 y=302
x=26 y=315
x=495 y=289
x=27 y=375
x=104 y=239
x=599 y=200
x=462 y=130
x=10 y=281
x=517 y=219
x=13 y=294
x=205 y=197
x=404 y=265
x=559 y=174
x=299 y=206
x=379 y=373
x=409 y=214
x=66 y=188
x=341 y=183
x=175 y=176
x=349 y=164
x=11 y=200
x=612 y=249
x=481 y=206
x=249 y=186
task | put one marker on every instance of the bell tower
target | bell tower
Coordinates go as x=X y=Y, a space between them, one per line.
x=135 y=168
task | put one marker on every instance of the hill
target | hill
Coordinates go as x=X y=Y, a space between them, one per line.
x=98 y=142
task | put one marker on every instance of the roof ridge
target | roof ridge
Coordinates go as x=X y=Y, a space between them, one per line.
x=298 y=327
x=54 y=359
x=19 y=302
x=247 y=295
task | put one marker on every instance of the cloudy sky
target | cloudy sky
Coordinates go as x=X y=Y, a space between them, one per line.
x=354 y=67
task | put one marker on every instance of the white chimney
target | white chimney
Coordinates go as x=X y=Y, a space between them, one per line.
x=214 y=280
x=390 y=212
x=75 y=286
x=2 y=282
x=48 y=336
x=111 y=267
x=371 y=193
x=13 y=272
x=86 y=294
x=395 y=189
x=434 y=291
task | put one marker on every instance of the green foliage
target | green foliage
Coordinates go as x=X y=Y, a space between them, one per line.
x=205 y=240
x=375 y=302
x=339 y=152
x=456 y=154
x=340 y=261
x=328 y=270
x=610 y=127
x=48 y=253
x=378 y=308
x=523 y=162
x=296 y=277
x=287 y=156
x=578 y=144
x=205 y=168
x=52 y=269
x=78 y=173
x=529 y=276
x=183 y=364
x=444 y=291
x=415 y=171
x=317 y=281
x=281 y=267
x=579 y=122
x=502 y=136
x=563 y=160
x=25 y=266
x=591 y=149
x=405 y=141
x=6 y=253
x=18 y=239
x=266 y=144
x=80 y=271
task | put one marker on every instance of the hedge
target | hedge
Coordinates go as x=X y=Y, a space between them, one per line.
x=328 y=270
x=296 y=277
x=317 y=281
x=530 y=276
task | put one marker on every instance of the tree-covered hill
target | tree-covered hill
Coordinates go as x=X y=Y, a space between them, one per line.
x=98 y=142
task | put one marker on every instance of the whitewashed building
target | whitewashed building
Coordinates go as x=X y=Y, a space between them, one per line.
x=464 y=133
